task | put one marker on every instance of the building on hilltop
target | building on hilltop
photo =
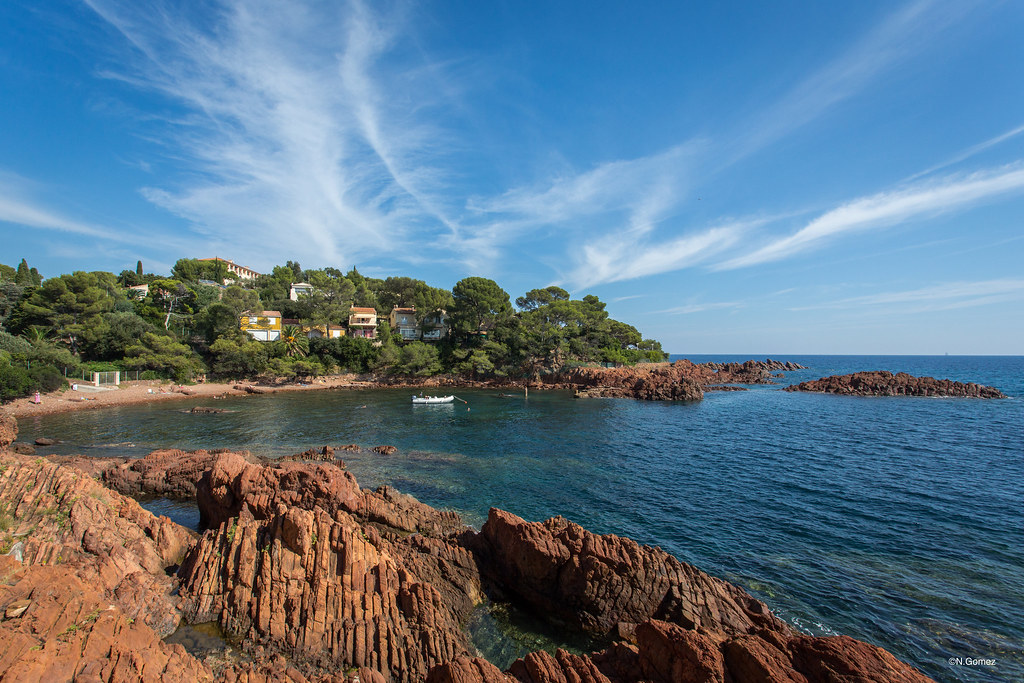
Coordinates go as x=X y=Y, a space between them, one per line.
x=299 y=289
x=316 y=331
x=242 y=272
x=263 y=327
x=434 y=327
x=363 y=322
x=403 y=322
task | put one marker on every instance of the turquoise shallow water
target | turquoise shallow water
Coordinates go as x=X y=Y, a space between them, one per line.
x=894 y=520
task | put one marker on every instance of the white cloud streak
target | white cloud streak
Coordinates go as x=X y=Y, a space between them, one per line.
x=946 y=296
x=700 y=308
x=901 y=35
x=970 y=152
x=289 y=136
x=887 y=208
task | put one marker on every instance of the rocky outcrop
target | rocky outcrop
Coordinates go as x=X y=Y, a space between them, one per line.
x=323 y=454
x=667 y=653
x=65 y=629
x=8 y=430
x=678 y=381
x=655 y=382
x=321 y=582
x=884 y=383
x=607 y=584
x=54 y=516
x=329 y=592
x=170 y=473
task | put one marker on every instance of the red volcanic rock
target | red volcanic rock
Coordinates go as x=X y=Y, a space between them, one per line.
x=329 y=592
x=69 y=630
x=8 y=430
x=667 y=653
x=653 y=382
x=233 y=483
x=384 y=450
x=678 y=381
x=883 y=383
x=324 y=454
x=59 y=516
x=351 y=448
x=595 y=582
x=171 y=473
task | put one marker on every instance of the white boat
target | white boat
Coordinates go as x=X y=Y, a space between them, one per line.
x=433 y=399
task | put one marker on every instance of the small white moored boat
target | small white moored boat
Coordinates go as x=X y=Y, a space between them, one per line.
x=433 y=399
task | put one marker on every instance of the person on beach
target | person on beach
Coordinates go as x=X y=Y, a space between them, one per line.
x=36 y=399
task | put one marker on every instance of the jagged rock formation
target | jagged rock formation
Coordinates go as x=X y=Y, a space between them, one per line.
x=326 y=590
x=70 y=631
x=884 y=383
x=171 y=473
x=678 y=381
x=324 y=454
x=604 y=584
x=326 y=583
x=653 y=382
x=675 y=623
x=8 y=430
x=55 y=516
x=667 y=653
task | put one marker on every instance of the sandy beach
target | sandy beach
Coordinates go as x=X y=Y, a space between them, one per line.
x=148 y=391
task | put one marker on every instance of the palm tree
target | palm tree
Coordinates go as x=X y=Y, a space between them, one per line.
x=295 y=343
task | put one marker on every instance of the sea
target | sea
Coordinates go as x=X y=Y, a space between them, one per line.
x=898 y=521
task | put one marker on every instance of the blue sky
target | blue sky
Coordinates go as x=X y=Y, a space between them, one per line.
x=761 y=178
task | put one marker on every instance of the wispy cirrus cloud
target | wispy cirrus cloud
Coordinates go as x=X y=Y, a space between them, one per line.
x=20 y=205
x=637 y=196
x=903 y=34
x=945 y=296
x=291 y=125
x=700 y=308
x=970 y=152
x=887 y=208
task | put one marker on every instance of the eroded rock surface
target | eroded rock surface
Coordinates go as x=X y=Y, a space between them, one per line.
x=678 y=381
x=601 y=584
x=310 y=579
x=884 y=383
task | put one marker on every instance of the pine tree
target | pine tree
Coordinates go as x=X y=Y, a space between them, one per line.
x=24 y=276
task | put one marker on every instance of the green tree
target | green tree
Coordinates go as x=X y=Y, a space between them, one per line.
x=296 y=343
x=478 y=306
x=418 y=358
x=330 y=301
x=138 y=269
x=112 y=339
x=238 y=358
x=351 y=353
x=164 y=355
x=71 y=305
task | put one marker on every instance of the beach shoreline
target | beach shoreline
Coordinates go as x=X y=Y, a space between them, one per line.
x=152 y=391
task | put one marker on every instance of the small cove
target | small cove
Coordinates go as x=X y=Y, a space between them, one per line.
x=892 y=520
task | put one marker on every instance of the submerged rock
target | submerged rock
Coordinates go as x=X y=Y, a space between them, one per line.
x=884 y=383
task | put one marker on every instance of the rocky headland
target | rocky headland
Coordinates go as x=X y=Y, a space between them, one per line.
x=313 y=579
x=682 y=380
x=884 y=383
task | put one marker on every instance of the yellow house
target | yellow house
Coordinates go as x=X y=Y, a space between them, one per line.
x=263 y=327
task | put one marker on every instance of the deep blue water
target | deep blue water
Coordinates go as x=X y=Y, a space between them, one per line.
x=894 y=520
